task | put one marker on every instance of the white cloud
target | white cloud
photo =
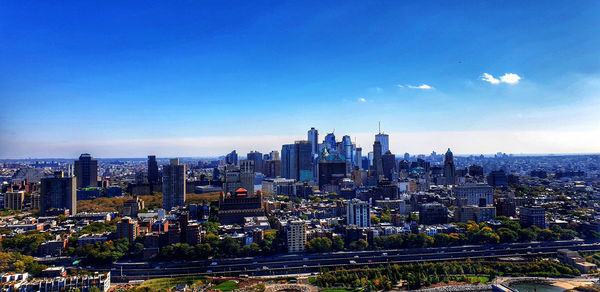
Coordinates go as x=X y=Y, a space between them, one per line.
x=489 y=78
x=362 y=99
x=508 y=78
x=422 y=86
x=400 y=86
x=378 y=89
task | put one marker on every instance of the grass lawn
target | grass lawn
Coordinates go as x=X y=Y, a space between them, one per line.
x=164 y=284
x=482 y=279
x=227 y=286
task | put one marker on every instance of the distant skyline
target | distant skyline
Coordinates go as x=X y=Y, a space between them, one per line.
x=204 y=78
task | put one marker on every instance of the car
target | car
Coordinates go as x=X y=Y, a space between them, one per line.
x=352 y=262
x=370 y=261
x=254 y=262
x=384 y=254
x=356 y=256
x=305 y=259
x=213 y=263
x=265 y=268
x=209 y=271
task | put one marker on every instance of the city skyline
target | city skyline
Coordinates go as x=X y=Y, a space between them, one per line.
x=178 y=80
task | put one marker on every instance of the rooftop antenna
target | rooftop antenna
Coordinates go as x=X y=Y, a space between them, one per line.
x=379 y=127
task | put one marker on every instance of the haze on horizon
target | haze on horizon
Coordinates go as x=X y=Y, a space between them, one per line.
x=201 y=79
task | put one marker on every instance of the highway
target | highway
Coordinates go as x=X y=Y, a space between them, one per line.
x=287 y=264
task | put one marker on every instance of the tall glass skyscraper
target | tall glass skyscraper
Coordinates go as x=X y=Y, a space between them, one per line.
x=384 y=139
x=313 y=138
x=330 y=142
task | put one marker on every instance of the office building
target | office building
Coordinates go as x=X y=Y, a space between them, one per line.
x=152 y=170
x=330 y=143
x=274 y=155
x=347 y=152
x=231 y=158
x=247 y=175
x=257 y=159
x=297 y=161
x=388 y=163
x=296 y=236
x=58 y=192
x=532 y=216
x=173 y=185
x=358 y=213
x=313 y=138
x=86 y=171
x=358 y=159
x=332 y=169
x=14 y=200
x=384 y=140
x=377 y=166
x=449 y=169
x=272 y=168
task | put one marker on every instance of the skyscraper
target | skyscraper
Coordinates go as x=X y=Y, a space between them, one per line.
x=384 y=139
x=358 y=157
x=257 y=158
x=377 y=161
x=152 y=170
x=231 y=158
x=449 y=169
x=347 y=151
x=330 y=142
x=297 y=161
x=86 y=171
x=313 y=138
x=388 y=161
x=173 y=184
x=247 y=175
x=58 y=192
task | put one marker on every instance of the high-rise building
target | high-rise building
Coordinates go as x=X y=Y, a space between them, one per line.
x=232 y=158
x=332 y=169
x=358 y=213
x=247 y=175
x=329 y=142
x=14 y=200
x=272 y=168
x=384 y=139
x=313 y=138
x=58 y=192
x=152 y=170
x=86 y=171
x=297 y=161
x=173 y=184
x=257 y=158
x=274 y=155
x=377 y=161
x=358 y=158
x=296 y=236
x=347 y=152
x=449 y=169
x=388 y=162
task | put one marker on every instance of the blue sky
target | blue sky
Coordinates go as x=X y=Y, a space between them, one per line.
x=198 y=78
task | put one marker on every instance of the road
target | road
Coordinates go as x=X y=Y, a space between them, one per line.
x=310 y=263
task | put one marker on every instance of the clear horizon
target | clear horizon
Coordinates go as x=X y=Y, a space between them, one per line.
x=192 y=79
